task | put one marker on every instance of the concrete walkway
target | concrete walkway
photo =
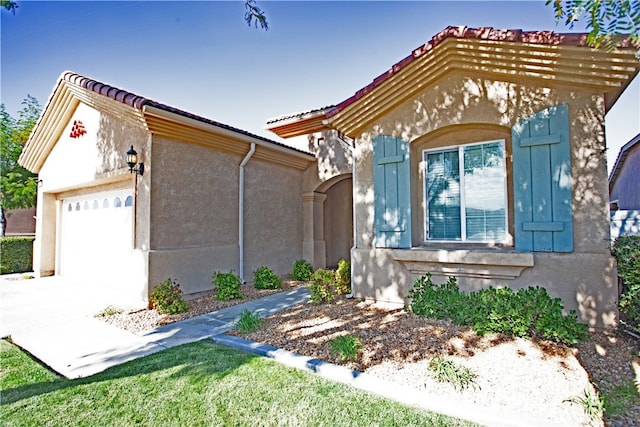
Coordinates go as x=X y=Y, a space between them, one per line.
x=53 y=319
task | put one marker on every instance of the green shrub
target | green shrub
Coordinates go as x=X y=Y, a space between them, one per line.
x=323 y=286
x=264 y=278
x=248 y=322
x=343 y=278
x=166 y=298
x=438 y=301
x=626 y=250
x=109 y=310
x=524 y=313
x=346 y=347
x=592 y=404
x=302 y=270
x=227 y=286
x=17 y=254
x=445 y=370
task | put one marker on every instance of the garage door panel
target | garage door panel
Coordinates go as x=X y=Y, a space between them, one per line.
x=97 y=235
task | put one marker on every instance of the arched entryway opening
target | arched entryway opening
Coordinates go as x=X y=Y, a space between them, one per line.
x=338 y=222
x=328 y=217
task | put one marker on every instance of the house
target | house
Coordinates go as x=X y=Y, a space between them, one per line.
x=203 y=196
x=480 y=156
x=21 y=222
x=624 y=190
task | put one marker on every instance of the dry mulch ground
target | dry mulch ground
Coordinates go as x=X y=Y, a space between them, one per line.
x=530 y=379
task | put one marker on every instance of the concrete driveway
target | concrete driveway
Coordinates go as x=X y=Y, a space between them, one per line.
x=28 y=303
x=53 y=319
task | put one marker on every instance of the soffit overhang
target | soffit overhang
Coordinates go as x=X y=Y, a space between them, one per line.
x=60 y=107
x=175 y=126
x=158 y=119
x=547 y=65
x=299 y=124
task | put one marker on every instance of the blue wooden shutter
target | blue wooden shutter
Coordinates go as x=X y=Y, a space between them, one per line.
x=392 y=192
x=542 y=182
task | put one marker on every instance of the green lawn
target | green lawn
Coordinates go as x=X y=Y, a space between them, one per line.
x=199 y=384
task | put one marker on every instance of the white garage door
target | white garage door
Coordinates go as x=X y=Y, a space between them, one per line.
x=96 y=238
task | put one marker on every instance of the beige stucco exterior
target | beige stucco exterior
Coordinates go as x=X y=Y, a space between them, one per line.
x=328 y=207
x=194 y=215
x=472 y=85
x=184 y=222
x=84 y=165
x=464 y=108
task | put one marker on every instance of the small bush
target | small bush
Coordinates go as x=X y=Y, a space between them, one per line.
x=346 y=347
x=264 y=278
x=302 y=270
x=323 y=286
x=109 y=311
x=248 y=322
x=17 y=254
x=343 y=278
x=524 y=313
x=227 y=286
x=166 y=298
x=592 y=404
x=626 y=250
x=460 y=377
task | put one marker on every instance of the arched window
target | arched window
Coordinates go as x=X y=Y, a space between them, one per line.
x=95 y=204
x=117 y=202
x=69 y=207
x=128 y=201
x=77 y=206
x=85 y=206
x=105 y=203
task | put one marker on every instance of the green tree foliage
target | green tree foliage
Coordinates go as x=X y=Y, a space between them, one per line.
x=253 y=14
x=607 y=20
x=18 y=186
x=9 y=6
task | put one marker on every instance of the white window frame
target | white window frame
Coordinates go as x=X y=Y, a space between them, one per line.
x=463 y=216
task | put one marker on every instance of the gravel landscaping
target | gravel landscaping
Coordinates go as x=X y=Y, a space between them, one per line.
x=529 y=379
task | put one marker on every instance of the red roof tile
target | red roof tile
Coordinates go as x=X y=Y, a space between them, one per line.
x=138 y=102
x=483 y=33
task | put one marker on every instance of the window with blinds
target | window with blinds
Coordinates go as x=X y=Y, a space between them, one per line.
x=465 y=193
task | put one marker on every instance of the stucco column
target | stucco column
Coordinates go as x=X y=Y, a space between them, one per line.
x=313 y=243
x=44 y=246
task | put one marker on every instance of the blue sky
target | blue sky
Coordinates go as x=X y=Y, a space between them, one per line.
x=203 y=58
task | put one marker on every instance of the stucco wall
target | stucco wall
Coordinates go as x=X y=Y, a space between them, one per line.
x=460 y=103
x=626 y=189
x=89 y=163
x=338 y=224
x=194 y=215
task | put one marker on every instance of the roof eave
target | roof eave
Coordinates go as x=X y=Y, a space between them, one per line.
x=71 y=89
x=300 y=125
x=565 y=59
x=189 y=129
x=622 y=155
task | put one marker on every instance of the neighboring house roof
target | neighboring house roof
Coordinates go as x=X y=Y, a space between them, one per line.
x=21 y=222
x=158 y=118
x=622 y=156
x=508 y=54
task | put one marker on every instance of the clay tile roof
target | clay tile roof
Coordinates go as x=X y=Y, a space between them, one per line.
x=299 y=115
x=138 y=102
x=462 y=32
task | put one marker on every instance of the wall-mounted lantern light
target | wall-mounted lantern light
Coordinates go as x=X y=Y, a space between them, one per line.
x=132 y=159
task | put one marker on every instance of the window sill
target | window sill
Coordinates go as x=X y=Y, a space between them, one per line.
x=477 y=263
